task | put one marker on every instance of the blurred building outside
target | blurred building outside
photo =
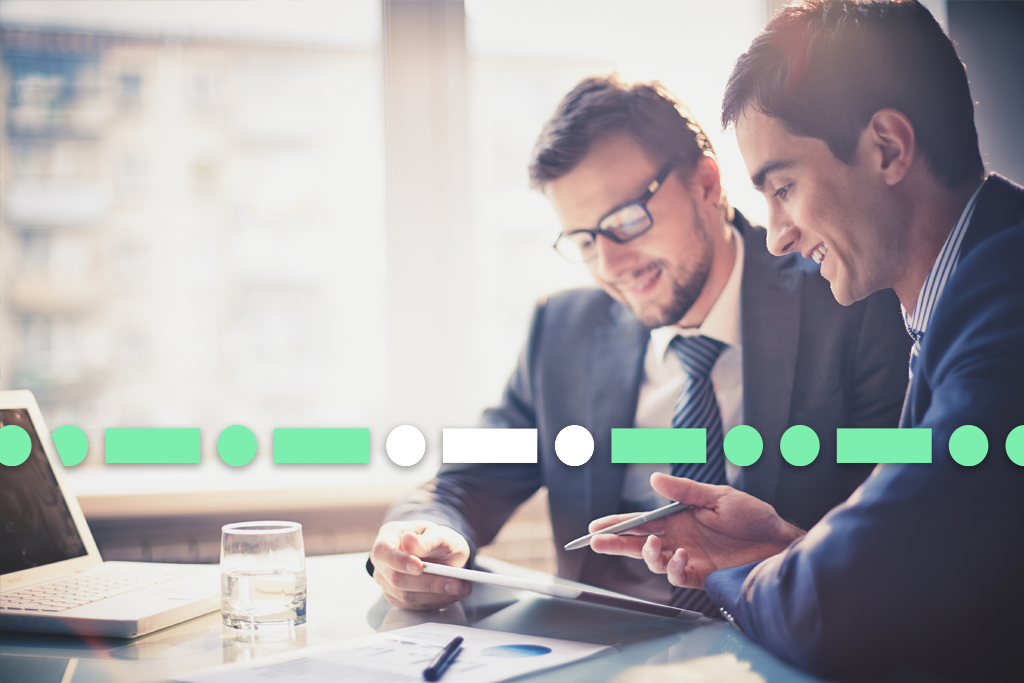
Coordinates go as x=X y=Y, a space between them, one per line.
x=194 y=226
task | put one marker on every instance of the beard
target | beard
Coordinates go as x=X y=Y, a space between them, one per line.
x=687 y=282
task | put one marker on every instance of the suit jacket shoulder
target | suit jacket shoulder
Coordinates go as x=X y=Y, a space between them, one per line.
x=890 y=578
x=978 y=295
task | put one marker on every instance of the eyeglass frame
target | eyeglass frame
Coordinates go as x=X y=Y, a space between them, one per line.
x=641 y=201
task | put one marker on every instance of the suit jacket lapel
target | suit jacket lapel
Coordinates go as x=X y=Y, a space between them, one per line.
x=770 y=315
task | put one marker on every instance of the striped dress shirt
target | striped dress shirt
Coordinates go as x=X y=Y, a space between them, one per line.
x=942 y=270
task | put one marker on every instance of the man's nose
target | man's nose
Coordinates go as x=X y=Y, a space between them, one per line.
x=613 y=259
x=782 y=234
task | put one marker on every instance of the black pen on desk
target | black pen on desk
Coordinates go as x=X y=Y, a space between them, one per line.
x=440 y=663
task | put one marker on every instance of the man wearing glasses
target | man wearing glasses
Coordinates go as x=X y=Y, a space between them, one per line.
x=694 y=325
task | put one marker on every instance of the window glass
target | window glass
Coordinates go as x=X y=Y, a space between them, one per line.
x=193 y=229
x=193 y=221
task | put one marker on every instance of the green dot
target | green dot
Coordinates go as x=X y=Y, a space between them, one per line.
x=15 y=445
x=236 y=445
x=743 y=445
x=799 y=445
x=72 y=446
x=1015 y=445
x=968 y=445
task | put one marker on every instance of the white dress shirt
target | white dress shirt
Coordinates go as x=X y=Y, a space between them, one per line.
x=664 y=376
x=660 y=387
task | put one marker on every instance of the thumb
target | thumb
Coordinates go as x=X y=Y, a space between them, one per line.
x=685 y=490
x=418 y=545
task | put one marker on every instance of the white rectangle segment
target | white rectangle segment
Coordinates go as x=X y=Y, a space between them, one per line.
x=472 y=446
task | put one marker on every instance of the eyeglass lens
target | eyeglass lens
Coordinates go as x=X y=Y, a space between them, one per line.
x=623 y=225
x=628 y=221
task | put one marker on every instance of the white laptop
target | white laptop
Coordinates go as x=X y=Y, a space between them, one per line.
x=52 y=578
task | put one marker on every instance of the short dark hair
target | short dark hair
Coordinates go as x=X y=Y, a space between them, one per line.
x=824 y=67
x=601 y=105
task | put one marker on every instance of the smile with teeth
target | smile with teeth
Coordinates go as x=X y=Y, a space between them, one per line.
x=645 y=281
x=818 y=255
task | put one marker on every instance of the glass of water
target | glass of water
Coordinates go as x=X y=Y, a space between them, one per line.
x=262 y=575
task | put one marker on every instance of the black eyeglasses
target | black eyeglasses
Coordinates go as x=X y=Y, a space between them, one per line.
x=620 y=225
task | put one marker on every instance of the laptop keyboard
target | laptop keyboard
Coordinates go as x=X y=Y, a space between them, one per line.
x=105 y=582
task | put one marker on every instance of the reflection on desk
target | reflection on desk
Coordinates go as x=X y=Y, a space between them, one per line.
x=346 y=603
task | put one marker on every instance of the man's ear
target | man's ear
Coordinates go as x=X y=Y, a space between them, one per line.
x=889 y=143
x=707 y=180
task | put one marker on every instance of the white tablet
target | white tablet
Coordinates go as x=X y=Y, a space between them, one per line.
x=557 y=590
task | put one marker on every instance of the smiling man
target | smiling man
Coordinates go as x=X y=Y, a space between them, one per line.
x=871 y=221
x=855 y=121
x=693 y=324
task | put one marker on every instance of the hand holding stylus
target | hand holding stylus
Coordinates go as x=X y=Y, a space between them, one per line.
x=632 y=521
x=724 y=528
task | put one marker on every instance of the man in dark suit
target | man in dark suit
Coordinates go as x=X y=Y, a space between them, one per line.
x=856 y=122
x=670 y=261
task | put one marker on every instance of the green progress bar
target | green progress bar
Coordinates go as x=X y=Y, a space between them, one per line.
x=644 y=446
x=161 y=445
x=328 y=445
x=862 y=445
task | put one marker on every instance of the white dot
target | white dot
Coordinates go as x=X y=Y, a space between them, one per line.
x=574 y=445
x=405 y=445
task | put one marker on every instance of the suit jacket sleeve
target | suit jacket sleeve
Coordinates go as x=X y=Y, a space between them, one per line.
x=922 y=557
x=477 y=499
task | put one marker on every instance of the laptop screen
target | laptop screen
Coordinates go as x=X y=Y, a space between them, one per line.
x=36 y=527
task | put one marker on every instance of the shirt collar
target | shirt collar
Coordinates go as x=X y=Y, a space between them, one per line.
x=723 y=320
x=942 y=269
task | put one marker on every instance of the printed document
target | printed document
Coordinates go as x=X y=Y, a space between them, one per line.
x=400 y=656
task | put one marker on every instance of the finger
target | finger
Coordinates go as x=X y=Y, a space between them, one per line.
x=417 y=547
x=420 y=592
x=388 y=553
x=399 y=545
x=605 y=522
x=654 y=556
x=679 y=571
x=686 y=490
x=656 y=526
x=429 y=545
x=428 y=583
x=608 y=544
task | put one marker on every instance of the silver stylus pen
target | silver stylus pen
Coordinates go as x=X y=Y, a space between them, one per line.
x=669 y=509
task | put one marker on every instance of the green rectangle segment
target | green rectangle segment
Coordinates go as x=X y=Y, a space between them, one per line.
x=163 y=445
x=642 y=446
x=329 y=445
x=883 y=445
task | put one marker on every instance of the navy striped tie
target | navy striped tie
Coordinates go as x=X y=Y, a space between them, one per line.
x=697 y=408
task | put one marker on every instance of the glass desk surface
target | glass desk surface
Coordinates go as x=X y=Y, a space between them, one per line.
x=344 y=602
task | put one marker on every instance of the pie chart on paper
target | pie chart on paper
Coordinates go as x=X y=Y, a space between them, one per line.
x=516 y=651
